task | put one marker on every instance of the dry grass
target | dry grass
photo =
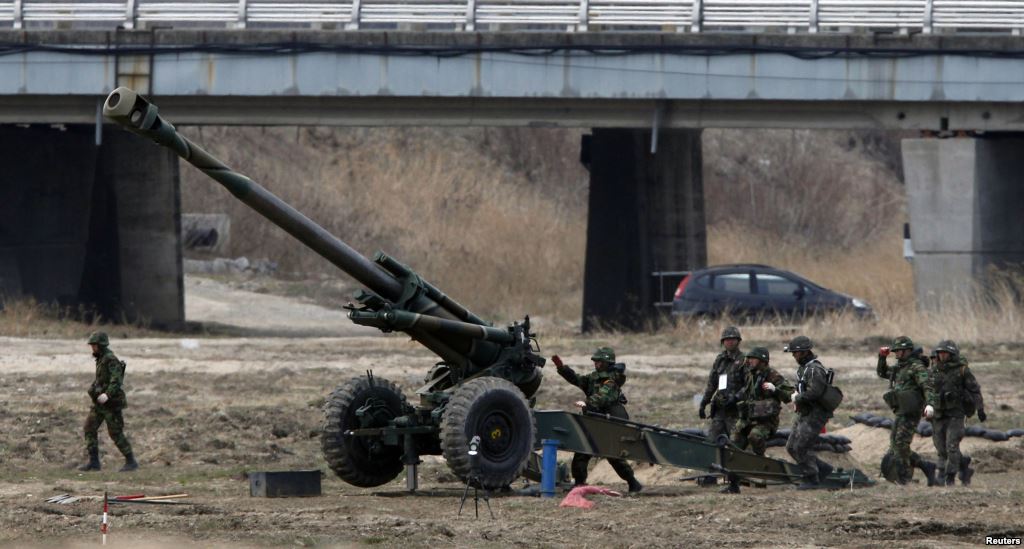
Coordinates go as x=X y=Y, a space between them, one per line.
x=492 y=227
x=29 y=318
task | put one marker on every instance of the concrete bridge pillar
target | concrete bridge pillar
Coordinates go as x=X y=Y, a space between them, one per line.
x=91 y=226
x=646 y=215
x=965 y=198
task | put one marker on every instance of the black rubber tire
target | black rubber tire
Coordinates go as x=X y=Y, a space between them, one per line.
x=350 y=457
x=499 y=413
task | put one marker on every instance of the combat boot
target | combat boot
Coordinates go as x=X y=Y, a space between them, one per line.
x=94 y=461
x=810 y=483
x=634 y=485
x=824 y=470
x=929 y=470
x=966 y=472
x=129 y=464
x=950 y=479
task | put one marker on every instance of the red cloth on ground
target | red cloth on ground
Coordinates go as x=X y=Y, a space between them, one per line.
x=577 y=496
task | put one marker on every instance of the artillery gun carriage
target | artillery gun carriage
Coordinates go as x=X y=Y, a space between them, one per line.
x=483 y=385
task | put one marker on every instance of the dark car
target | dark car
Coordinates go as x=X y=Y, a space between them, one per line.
x=757 y=290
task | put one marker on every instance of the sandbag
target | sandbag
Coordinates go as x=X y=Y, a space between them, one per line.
x=974 y=431
x=925 y=429
x=862 y=417
x=1015 y=433
x=996 y=436
x=875 y=421
x=886 y=423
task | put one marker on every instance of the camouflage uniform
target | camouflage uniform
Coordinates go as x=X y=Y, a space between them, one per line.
x=908 y=376
x=603 y=390
x=812 y=381
x=954 y=394
x=756 y=431
x=109 y=380
x=723 y=402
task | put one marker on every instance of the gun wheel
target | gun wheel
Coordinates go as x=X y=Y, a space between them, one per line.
x=496 y=411
x=361 y=461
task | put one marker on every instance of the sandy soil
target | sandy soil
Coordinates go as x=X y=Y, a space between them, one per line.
x=205 y=411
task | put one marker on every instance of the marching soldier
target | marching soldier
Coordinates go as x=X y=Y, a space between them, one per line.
x=906 y=397
x=812 y=409
x=724 y=382
x=603 y=389
x=953 y=394
x=108 y=398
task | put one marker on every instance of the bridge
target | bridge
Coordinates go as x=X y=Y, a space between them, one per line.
x=647 y=89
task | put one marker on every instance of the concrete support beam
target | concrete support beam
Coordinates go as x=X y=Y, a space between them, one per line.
x=646 y=215
x=964 y=197
x=92 y=228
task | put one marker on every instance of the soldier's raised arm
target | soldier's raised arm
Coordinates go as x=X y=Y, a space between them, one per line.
x=883 y=367
x=566 y=372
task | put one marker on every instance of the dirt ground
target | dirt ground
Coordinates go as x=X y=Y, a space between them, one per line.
x=205 y=411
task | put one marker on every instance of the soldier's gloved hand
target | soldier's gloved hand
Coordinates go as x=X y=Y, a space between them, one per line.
x=580 y=404
x=103 y=398
x=929 y=411
x=703 y=414
x=558 y=361
x=768 y=386
x=883 y=351
x=982 y=416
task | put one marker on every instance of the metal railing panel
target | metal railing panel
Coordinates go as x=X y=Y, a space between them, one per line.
x=752 y=16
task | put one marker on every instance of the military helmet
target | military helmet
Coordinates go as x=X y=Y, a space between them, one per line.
x=902 y=343
x=799 y=343
x=949 y=346
x=759 y=353
x=730 y=332
x=604 y=354
x=99 y=338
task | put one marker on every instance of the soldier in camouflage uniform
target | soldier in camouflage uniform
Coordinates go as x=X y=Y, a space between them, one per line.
x=728 y=363
x=953 y=394
x=812 y=382
x=603 y=389
x=906 y=397
x=107 y=394
x=761 y=399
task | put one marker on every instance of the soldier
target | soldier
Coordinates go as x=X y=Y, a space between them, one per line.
x=952 y=394
x=761 y=400
x=603 y=389
x=812 y=414
x=107 y=394
x=906 y=397
x=724 y=382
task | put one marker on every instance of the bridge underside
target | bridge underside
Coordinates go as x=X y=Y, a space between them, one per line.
x=92 y=228
x=534 y=112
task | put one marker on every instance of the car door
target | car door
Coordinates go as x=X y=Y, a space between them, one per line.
x=733 y=292
x=781 y=294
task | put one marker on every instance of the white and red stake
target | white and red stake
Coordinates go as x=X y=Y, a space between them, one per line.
x=103 y=526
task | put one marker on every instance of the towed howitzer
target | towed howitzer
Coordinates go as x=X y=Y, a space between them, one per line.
x=483 y=386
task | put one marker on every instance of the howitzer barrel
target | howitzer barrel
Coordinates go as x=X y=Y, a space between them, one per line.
x=405 y=321
x=138 y=115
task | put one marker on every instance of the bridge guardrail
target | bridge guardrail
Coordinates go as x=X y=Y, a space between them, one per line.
x=833 y=16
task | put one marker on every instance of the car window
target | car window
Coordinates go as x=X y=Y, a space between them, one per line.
x=704 y=281
x=768 y=284
x=732 y=282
